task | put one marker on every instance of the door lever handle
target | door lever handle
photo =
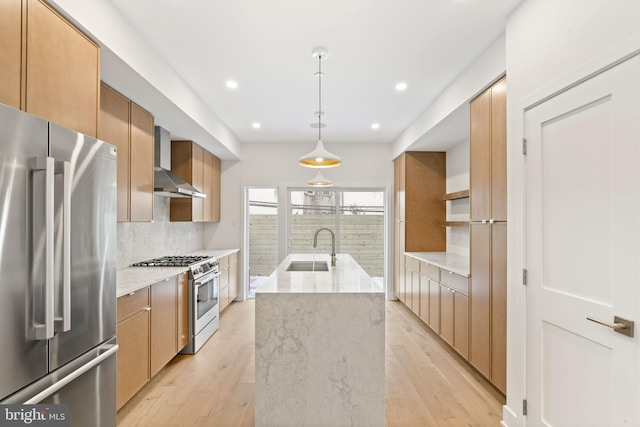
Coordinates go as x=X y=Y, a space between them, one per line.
x=620 y=325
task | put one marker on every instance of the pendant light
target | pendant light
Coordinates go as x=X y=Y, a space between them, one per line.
x=320 y=157
x=319 y=181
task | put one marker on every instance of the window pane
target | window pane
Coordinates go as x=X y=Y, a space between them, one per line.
x=263 y=231
x=311 y=210
x=362 y=229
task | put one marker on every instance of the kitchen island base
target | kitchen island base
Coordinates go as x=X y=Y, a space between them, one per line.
x=320 y=354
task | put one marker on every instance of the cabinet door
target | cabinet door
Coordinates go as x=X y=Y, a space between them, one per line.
x=446 y=314
x=224 y=287
x=133 y=369
x=207 y=185
x=461 y=324
x=408 y=288
x=233 y=281
x=499 y=151
x=434 y=305
x=415 y=292
x=499 y=305
x=62 y=76
x=11 y=48
x=480 y=349
x=215 y=190
x=480 y=155
x=141 y=158
x=424 y=299
x=182 y=307
x=114 y=129
x=198 y=182
x=163 y=324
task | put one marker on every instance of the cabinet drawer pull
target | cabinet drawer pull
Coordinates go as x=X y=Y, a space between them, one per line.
x=147 y=308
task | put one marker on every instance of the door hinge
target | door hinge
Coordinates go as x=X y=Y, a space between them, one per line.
x=524 y=276
x=524 y=407
x=524 y=146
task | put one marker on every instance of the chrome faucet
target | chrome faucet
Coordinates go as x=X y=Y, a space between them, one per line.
x=333 y=244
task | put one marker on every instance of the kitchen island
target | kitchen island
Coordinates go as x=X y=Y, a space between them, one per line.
x=320 y=346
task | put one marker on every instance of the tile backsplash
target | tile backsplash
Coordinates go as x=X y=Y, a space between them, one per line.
x=138 y=241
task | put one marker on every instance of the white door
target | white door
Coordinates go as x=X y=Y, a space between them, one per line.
x=583 y=252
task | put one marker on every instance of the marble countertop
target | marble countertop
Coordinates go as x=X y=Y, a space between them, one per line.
x=131 y=279
x=346 y=277
x=449 y=261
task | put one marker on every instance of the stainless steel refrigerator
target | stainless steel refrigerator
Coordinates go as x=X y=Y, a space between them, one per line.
x=57 y=268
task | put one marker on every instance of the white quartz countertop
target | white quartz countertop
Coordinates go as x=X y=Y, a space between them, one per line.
x=132 y=279
x=346 y=277
x=449 y=261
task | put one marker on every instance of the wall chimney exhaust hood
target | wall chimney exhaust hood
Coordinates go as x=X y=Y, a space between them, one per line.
x=165 y=182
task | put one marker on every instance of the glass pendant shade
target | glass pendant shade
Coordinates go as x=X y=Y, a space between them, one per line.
x=319 y=158
x=319 y=181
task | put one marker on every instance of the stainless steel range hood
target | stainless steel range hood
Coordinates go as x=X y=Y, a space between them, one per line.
x=165 y=182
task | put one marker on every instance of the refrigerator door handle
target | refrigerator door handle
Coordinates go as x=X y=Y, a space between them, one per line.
x=110 y=350
x=45 y=331
x=63 y=324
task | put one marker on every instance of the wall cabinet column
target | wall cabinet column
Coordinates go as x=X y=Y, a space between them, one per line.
x=488 y=203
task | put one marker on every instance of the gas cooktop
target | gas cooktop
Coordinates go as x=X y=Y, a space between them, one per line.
x=172 y=261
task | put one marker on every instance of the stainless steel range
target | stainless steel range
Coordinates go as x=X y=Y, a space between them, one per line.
x=204 y=291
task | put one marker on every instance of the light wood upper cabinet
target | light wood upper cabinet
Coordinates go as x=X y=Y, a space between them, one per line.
x=201 y=169
x=488 y=149
x=142 y=151
x=62 y=79
x=47 y=66
x=114 y=129
x=130 y=128
x=11 y=48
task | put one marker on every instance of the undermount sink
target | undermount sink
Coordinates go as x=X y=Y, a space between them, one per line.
x=308 y=266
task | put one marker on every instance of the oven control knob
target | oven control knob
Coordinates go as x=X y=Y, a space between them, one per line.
x=200 y=270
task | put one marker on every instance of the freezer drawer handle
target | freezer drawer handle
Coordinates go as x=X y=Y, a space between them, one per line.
x=63 y=324
x=112 y=348
x=45 y=331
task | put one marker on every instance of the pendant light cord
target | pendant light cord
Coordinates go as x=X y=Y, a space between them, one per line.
x=319 y=97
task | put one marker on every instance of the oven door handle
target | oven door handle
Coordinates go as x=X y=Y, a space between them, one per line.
x=206 y=279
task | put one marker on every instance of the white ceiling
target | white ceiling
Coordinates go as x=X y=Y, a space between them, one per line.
x=266 y=47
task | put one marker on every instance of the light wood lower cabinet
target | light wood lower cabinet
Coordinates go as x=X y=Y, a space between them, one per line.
x=441 y=299
x=133 y=332
x=182 y=306
x=163 y=324
x=153 y=326
x=228 y=279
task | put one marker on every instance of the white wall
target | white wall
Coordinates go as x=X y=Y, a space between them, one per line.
x=486 y=68
x=458 y=210
x=549 y=44
x=363 y=165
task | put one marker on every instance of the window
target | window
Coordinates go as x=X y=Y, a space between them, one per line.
x=356 y=216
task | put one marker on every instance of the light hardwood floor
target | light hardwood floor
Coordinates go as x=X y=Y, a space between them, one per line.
x=427 y=384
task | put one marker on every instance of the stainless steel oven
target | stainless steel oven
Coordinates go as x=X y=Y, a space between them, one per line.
x=204 y=295
x=204 y=307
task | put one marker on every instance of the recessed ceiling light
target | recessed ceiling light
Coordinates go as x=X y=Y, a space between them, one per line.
x=231 y=84
x=401 y=86
x=256 y=125
x=375 y=126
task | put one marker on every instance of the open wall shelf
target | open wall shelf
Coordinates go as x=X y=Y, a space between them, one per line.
x=464 y=194
x=456 y=223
